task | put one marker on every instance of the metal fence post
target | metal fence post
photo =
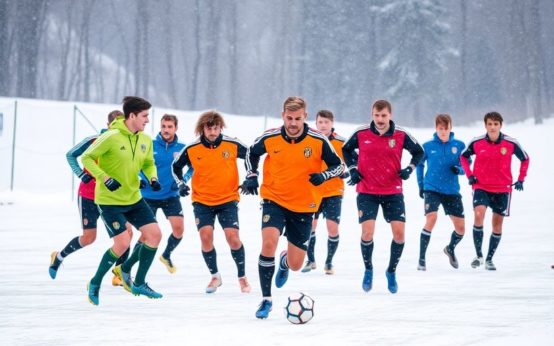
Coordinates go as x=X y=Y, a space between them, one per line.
x=13 y=144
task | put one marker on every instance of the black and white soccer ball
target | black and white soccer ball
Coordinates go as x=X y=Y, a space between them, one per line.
x=300 y=308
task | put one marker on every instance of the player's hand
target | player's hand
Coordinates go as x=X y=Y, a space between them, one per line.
x=250 y=185
x=142 y=184
x=355 y=177
x=155 y=185
x=405 y=173
x=85 y=177
x=456 y=169
x=421 y=193
x=112 y=184
x=472 y=180
x=317 y=178
x=518 y=185
x=184 y=190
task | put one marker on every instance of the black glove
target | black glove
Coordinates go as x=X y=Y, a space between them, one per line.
x=471 y=180
x=421 y=193
x=518 y=185
x=85 y=177
x=250 y=185
x=112 y=184
x=142 y=184
x=456 y=169
x=355 y=177
x=184 y=190
x=317 y=178
x=405 y=173
x=155 y=185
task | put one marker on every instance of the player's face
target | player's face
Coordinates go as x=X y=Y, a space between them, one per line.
x=168 y=129
x=212 y=132
x=294 y=122
x=443 y=132
x=493 y=128
x=381 y=119
x=324 y=125
x=138 y=121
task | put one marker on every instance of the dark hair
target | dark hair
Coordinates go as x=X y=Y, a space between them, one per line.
x=114 y=114
x=379 y=105
x=494 y=116
x=209 y=118
x=134 y=104
x=443 y=119
x=325 y=114
x=170 y=117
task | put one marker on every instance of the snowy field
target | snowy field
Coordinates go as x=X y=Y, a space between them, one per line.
x=512 y=306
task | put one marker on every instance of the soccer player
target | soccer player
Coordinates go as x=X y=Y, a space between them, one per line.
x=332 y=192
x=115 y=160
x=87 y=208
x=292 y=170
x=491 y=180
x=166 y=148
x=215 y=182
x=378 y=175
x=439 y=185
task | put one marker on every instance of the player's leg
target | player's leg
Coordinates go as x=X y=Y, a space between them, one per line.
x=174 y=212
x=480 y=203
x=394 y=212
x=368 y=206
x=228 y=216
x=332 y=213
x=454 y=207
x=500 y=205
x=310 y=263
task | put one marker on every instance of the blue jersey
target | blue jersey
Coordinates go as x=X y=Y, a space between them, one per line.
x=164 y=153
x=440 y=158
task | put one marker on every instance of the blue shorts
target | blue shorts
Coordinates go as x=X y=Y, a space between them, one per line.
x=227 y=214
x=392 y=205
x=296 y=226
x=170 y=206
x=330 y=207
x=499 y=202
x=452 y=204
x=89 y=212
x=115 y=217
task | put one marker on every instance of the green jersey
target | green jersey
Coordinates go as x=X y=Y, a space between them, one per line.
x=120 y=154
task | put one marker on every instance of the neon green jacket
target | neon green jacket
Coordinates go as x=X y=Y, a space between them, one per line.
x=120 y=154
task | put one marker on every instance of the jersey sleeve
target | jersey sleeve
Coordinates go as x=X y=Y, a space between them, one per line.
x=179 y=162
x=465 y=159
x=414 y=148
x=253 y=154
x=149 y=166
x=349 y=151
x=420 y=169
x=93 y=152
x=77 y=151
x=335 y=167
x=524 y=158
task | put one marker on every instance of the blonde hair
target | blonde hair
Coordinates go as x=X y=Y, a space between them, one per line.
x=294 y=103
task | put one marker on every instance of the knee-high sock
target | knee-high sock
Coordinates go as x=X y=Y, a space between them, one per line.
x=367 y=253
x=423 y=243
x=454 y=240
x=332 y=245
x=147 y=254
x=266 y=269
x=123 y=257
x=238 y=257
x=107 y=261
x=210 y=258
x=478 y=240
x=172 y=243
x=71 y=247
x=311 y=247
x=395 y=253
x=134 y=258
x=493 y=244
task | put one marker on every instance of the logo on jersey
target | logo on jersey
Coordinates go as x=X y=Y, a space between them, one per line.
x=225 y=154
x=197 y=220
x=307 y=152
x=85 y=221
x=175 y=155
x=454 y=150
x=503 y=151
x=312 y=205
x=116 y=225
x=360 y=214
x=122 y=147
x=143 y=147
x=392 y=143
x=266 y=218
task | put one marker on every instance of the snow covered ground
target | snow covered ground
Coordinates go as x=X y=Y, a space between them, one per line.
x=511 y=306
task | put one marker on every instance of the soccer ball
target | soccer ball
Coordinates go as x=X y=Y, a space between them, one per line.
x=300 y=308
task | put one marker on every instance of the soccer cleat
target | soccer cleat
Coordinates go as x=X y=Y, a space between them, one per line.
x=477 y=261
x=451 y=257
x=391 y=282
x=145 y=290
x=264 y=309
x=329 y=269
x=309 y=267
x=54 y=264
x=168 y=264
x=116 y=281
x=125 y=278
x=282 y=273
x=244 y=285
x=215 y=282
x=93 y=293
x=489 y=265
x=421 y=265
x=367 y=282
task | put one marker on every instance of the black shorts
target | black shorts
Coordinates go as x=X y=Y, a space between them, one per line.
x=452 y=204
x=392 y=205
x=116 y=216
x=89 y=212
x=330 y=207
x=170 y=206
x=499 y=202
x=296 y=226
x=227 y=214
